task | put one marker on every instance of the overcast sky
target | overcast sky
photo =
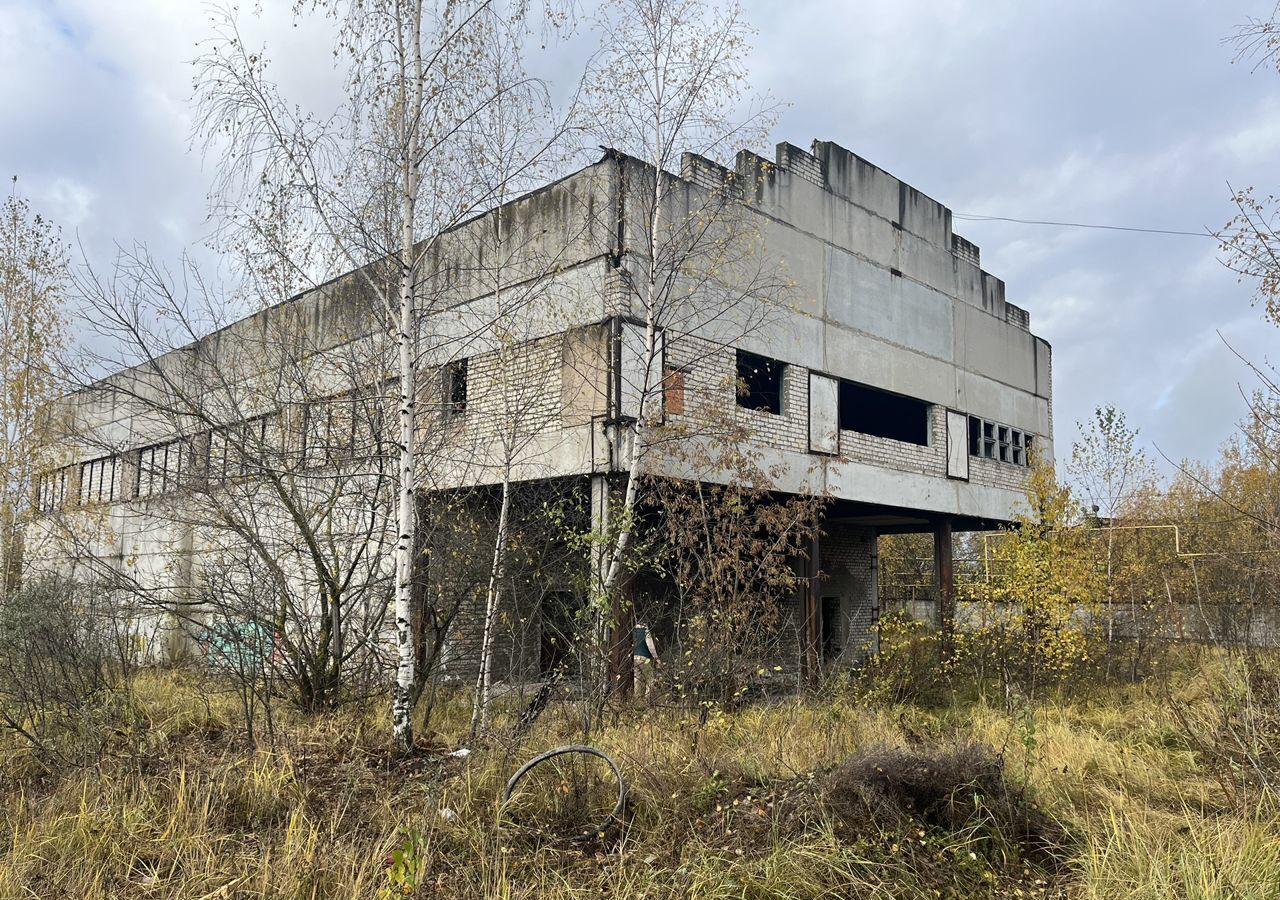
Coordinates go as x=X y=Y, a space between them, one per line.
x=1115 y=113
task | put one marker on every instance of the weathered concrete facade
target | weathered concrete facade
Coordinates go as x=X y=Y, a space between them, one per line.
x=893 y=377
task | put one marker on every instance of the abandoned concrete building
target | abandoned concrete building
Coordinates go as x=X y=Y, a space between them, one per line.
x=895 y=380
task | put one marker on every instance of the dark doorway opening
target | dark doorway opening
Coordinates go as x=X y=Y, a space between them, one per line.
x=558 y=615
x=831 y=642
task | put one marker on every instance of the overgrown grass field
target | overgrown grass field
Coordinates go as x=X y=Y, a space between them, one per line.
x=1097 y=795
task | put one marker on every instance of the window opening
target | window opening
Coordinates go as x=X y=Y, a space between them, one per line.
x=760 y=383
x=882 y=414
x=456 y=386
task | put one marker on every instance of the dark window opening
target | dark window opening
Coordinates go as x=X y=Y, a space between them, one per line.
x=456 y=386
x=975 y=436
x=760 y=382
x=882 y=414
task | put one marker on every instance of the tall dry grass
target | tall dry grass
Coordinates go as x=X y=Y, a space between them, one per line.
x=735 y=806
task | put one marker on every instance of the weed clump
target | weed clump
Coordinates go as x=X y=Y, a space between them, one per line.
x=960 y=790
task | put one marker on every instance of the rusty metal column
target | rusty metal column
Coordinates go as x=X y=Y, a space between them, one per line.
x=945 y=581
x=810 y=657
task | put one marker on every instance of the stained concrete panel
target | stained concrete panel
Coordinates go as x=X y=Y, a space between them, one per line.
x=897 y=309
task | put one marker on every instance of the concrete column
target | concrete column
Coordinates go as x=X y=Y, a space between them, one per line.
x=944 y=580
x=811 y=651
x=875 y=593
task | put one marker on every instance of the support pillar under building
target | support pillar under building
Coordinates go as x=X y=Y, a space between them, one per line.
x=811 y=652
x=945 y=582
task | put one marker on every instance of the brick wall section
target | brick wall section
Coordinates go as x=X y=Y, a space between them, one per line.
x=994 y=473
x=901 y=455
x=1048 y=388
x=617 y=296
x=802 y=164
x=848 y=561
x=515 y=639
x=703 y=172
x=520 y=395
x=966 y=249
x=1016 y=315
x=848 y=564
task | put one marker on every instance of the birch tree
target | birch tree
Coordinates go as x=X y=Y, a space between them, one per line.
x=33 y=282
x=1112 y=475
x=671 y=80
x=377 y=181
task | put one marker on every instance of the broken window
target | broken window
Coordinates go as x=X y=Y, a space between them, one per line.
x=560 y=614
x=883 y=414
x=760 y=382
x=991 y=440
x=153 y=469
x=456 y=388
x=98 y=480
x=51 y=490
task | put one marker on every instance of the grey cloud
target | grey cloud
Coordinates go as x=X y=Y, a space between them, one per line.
x=1093 y=111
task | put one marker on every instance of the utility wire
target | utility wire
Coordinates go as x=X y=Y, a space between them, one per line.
x=973 y=218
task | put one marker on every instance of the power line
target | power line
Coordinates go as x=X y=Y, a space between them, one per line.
x=973 y=218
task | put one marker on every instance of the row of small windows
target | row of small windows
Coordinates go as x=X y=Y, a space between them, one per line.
x=338 y=428
x=879 y=413
x=991 y=440
x=333 y=430
x=861 y=408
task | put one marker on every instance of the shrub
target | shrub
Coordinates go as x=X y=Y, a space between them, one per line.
x=61 y=652
x=907 y=667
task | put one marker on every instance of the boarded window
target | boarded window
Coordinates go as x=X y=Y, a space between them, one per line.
x=760 y=382
x=882 y=414
x=673 y=392
x=824 y=404
x=958 y=445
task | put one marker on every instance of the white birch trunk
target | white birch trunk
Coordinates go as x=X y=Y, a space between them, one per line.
x=407 y=346
x=484 y=680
